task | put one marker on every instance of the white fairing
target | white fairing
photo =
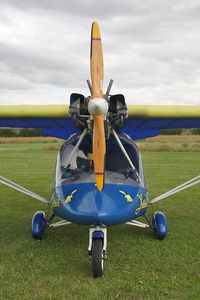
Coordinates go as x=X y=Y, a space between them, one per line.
x=98 y=106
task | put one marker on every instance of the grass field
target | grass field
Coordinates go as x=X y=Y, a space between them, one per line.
x=138 y=266
x=180 y=143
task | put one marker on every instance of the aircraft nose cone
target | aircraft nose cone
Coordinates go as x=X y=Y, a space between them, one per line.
x=98 y=106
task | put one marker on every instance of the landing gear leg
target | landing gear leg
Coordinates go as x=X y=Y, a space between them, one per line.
x=51 y=217
x=97 y=249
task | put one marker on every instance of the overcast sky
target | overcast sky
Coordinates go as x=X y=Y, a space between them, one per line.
x=151 y=49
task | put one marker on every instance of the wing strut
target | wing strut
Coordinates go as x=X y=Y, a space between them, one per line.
x=177 y=189
x=21 y=189
x=123 y=149
x=125 y=153
x=76 y=147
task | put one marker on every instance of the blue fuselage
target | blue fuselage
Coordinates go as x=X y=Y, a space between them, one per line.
x=76 y=197
x=84 y=204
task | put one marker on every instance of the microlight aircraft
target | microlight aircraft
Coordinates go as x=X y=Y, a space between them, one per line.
x=99 y=177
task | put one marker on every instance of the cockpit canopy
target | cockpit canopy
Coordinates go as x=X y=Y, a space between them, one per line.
x=79 y=167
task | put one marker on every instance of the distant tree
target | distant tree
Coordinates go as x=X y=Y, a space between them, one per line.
x=187 y=131
x=28 y=132
x=196 y=131
x=7 y=132
x=173 y=131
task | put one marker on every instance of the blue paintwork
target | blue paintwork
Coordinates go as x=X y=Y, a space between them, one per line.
x=160 y=223
x=140 y=133
x=137 y=128
x=57 y=127
x=91 y=207
x=61 y=133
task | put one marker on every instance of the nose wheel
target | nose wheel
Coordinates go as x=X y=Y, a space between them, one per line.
x=97 y=258
x=97 y=249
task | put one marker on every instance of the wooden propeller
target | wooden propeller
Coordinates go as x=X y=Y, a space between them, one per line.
x=97 y=73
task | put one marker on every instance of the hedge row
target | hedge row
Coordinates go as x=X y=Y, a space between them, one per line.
x=25 y=132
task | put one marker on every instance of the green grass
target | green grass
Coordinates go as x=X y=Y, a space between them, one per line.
x=138 y=266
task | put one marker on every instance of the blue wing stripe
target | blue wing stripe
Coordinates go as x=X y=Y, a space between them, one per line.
x=36 y=122
x=57 y=127
x=155 y=123
x=142 y=128
x=137 y=128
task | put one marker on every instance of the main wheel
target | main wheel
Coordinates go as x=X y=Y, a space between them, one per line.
x=160 y=225
x=97 y=257
x=38 y=224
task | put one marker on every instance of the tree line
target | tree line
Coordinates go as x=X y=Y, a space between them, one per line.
x=25 y=132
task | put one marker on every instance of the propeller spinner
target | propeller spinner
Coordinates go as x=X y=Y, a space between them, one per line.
x=97 y=106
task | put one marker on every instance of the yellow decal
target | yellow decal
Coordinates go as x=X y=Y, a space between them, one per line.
x=55 y=203
x=70 y=197
x=127 y=196
x=143 y=204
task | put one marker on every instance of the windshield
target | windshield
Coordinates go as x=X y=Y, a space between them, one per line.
x=77 y=164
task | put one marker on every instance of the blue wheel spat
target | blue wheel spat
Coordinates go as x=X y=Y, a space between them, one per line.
x=160 y=225
x=38 y=224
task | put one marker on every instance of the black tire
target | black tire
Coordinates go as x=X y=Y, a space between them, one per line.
x=97 y=258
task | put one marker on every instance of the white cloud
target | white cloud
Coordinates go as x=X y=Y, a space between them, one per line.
x=151 y=50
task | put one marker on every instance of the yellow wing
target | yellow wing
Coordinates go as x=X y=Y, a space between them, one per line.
x=147 y=120
x=163 y=111
x=34 y=111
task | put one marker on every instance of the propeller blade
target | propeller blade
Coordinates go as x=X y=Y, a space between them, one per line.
x=96 y=62
x=97 y=72
x=99 y=150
